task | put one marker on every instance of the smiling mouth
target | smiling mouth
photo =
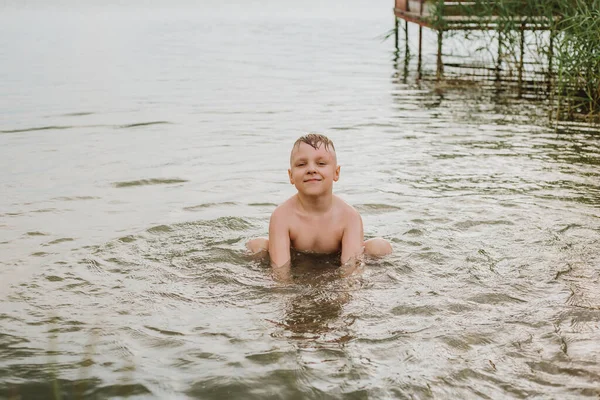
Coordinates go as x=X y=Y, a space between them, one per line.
x=313 y=180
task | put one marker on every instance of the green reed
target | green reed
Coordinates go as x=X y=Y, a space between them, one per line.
x=573 y=51
x=578 y=56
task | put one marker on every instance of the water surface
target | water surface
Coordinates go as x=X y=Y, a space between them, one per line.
x=141 y=146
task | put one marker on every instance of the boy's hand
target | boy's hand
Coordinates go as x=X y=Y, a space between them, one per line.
x=282 y=273
x=351 y=266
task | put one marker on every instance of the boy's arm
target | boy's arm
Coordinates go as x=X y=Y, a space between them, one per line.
x=353 y=238
x=279 y=245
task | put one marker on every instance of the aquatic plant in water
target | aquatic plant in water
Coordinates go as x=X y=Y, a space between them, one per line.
x=578 y=56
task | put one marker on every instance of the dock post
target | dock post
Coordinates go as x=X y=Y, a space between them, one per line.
x=406 y=50
x=440 y=66
x=499 y=59
x=521 y=56
x=396 y=31
x=419 y=58
x=550 y=60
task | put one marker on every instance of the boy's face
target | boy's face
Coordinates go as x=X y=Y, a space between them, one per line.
x=313 y=171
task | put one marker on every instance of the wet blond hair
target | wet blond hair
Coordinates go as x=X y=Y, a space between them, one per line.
x=315 y=140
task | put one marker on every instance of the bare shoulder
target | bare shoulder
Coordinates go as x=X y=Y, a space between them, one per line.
x=284 y=210
x=346 y=210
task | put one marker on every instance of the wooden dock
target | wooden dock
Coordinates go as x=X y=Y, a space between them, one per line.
x=453 y=15
x=461 y=15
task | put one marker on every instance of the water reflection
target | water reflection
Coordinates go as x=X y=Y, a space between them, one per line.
x=402 y=58
x=46 y=386
x=317 y=308
x=469 y=75
x=314 y=311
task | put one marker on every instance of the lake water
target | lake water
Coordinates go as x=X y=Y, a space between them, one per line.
x=142 y=145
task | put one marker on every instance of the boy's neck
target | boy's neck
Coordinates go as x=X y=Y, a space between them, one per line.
x=315 y=204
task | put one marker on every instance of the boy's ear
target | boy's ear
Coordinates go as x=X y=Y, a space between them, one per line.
x=336 y=176
x=290 y=175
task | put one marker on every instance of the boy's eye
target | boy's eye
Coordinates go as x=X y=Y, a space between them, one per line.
x=321 y=163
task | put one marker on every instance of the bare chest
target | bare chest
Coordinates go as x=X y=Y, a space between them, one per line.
x=319 y=235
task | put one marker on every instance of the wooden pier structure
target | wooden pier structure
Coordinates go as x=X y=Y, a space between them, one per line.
x=464 y=15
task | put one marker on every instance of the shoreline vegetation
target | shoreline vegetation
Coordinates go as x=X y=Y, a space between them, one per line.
x=571 y=48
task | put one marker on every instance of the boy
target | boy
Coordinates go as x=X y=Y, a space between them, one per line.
x=315 y=220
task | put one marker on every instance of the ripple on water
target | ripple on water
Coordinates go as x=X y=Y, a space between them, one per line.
x=39 y=128
x=375 y=208
x=414 y=232
x=494 y=298
x=147 y=182
x=142 y=124
x=414 y=310
x=58 y=241
x=127 y=239
x=167 y=264
x=465 y=225
x=78 y=114
x=36 y=233
x=263 y=205
x=209 y=205
x=45 y=385
x=158 y=230
x=76 y=198
x=40 y=254
x=216 y=225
